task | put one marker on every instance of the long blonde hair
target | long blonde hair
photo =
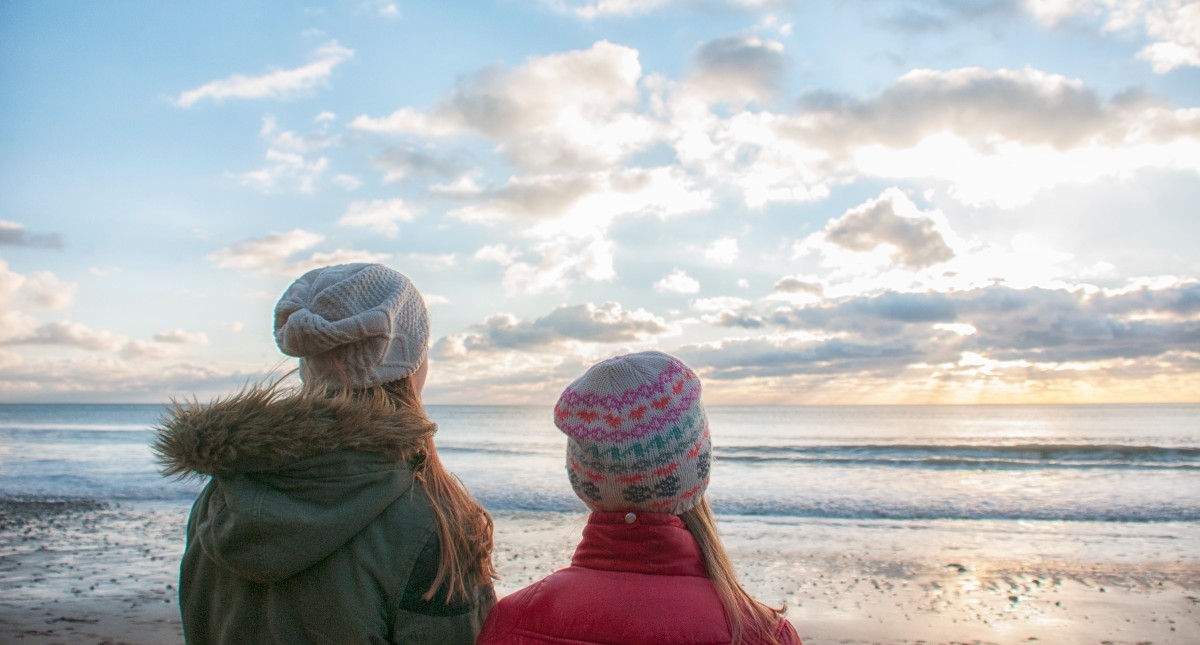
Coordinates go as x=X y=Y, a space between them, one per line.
x=464 y=527
x=749 y=620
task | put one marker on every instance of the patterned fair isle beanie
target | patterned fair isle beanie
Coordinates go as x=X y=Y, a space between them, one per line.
x=353 y=325
x=637 y=435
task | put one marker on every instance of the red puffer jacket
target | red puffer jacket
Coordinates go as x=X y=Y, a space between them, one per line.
x=636 y=581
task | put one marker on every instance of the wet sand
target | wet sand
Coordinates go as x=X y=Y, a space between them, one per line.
x=75 y=572
x=80 y=572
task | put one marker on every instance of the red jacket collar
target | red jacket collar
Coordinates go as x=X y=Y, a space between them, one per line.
x=653 y=543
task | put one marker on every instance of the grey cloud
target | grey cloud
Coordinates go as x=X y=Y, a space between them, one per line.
x=485 y=102
x=729 y=318
x=792 y=284
x=738 y=359
x=1180 y=301
x=885 y=314
x=1033 y=324
x=605 y=323
x=14 y=234
x=917 y=241
x=1026 y=106
x=538 y=197
x=1059 y=326
x=69 y=335
x=886 y=334
x=98 y=379
x=402 y=162
x=736 y=64
x=544 y=198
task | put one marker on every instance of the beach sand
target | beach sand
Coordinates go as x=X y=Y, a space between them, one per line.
x=78 y=572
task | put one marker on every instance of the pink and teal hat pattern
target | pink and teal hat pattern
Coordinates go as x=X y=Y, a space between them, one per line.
x=637 y=435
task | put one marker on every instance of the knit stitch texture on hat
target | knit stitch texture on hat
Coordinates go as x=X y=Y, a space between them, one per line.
x=353 y=325
x=637 y=435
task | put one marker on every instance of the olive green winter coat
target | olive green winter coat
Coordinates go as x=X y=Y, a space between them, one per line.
x=312 y=528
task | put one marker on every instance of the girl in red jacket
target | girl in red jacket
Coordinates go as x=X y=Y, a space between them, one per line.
x=651 y=567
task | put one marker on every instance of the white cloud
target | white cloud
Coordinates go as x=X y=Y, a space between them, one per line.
x=560 y=262
x=379 y=215
x=601 y=9
x=179 y=336
x=988 y=136
x=336 y=256
x=723 y=251
x=561 y=110
x=285 y=171
x=888 y=243
x=383 y=9
x=499 y=253
x=431 y=260
x=137 y=350
x=772 y=22
x=1172 y=26
x=36 y=290
x=279 y=84
x=678 y=281
x=349 y=183
x=962 y=329
x=567 y=217
x=720 y=303
x=44 y=290
x=1177 y=37
x=267 y=253
x=280 y=139
x=582 y=204
x=622 y=8
x=13 y=321
x=275 y=254
x=289 y=164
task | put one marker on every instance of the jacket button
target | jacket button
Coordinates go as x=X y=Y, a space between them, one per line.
x=630 y=518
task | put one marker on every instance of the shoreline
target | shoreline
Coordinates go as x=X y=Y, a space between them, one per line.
x=87 y=571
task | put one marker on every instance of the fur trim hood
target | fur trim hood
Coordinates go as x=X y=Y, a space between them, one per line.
x=264 y=428
x=294 y=475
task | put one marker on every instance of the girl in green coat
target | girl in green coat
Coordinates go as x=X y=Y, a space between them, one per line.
x=328 y=517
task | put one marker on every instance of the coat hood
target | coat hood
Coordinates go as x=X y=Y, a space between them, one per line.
x=293 y=476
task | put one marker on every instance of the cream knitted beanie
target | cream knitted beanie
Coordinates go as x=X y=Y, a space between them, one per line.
x=353 y=325
x=637 y=435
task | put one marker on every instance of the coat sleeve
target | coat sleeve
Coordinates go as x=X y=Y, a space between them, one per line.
x=436 y=621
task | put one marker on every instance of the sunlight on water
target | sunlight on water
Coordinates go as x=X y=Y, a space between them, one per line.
x=1080 y=463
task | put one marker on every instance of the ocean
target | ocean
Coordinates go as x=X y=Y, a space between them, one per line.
x=1085 y=463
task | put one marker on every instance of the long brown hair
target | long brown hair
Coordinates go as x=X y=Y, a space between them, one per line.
x=464 y=527
x=749 y=620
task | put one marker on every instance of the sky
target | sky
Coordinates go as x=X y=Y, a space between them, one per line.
x=809 y=202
